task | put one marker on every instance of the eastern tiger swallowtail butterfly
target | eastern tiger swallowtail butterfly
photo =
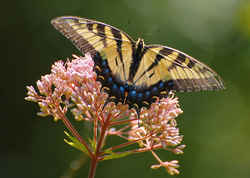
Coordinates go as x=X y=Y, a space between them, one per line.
x=132 y=72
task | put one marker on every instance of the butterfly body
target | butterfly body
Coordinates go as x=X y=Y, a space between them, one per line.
x=132 y=72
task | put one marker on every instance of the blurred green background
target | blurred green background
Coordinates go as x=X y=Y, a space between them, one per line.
x=216 y=125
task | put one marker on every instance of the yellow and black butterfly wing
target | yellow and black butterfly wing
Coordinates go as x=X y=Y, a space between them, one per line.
x=161 y=63
x=91 y=36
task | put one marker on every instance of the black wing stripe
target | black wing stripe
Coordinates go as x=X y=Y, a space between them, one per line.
x=89 y=25
x=166 y=51
x=191 y=63
x=136 y=61
x=100 y=31
x=151 y=75
x=157 y=59
x=155 y=63
x=116 y=62
x=117 y=36
x=83 y=44
x=181 y=57
x=178 y=61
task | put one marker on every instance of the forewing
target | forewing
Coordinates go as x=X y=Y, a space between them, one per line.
x=188 y=74
x=89 y=35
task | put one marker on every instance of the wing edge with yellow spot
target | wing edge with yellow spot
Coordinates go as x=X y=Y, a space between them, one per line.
x=188 y=73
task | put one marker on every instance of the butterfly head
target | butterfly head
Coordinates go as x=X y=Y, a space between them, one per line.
x=140 y=43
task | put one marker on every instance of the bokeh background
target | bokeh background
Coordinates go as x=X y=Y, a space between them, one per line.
x=216 y=125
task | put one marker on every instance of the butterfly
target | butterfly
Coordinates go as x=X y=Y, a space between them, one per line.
x=132 y=72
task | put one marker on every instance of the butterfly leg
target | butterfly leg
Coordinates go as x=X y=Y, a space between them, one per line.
x=138 y=110
x=108 y=100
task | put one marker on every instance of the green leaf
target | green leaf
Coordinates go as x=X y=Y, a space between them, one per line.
x=75 y=143
x=113 y=155
x=92 y=144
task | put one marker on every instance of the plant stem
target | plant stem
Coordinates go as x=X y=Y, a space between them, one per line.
x=72 y=129
x=93 y=166
x=121 y=122
x=95 y=158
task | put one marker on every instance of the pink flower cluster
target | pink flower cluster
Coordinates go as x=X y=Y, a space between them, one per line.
x=72 y=87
